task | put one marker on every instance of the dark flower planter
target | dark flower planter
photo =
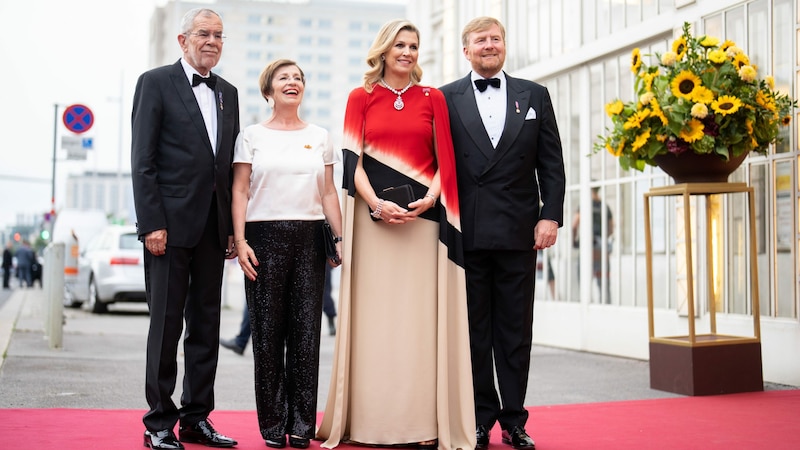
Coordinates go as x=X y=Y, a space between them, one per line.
x=690 y=167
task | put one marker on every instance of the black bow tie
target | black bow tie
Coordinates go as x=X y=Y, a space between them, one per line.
x=483 y=83
x=210 y=81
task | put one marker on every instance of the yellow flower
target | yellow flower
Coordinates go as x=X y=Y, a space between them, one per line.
x=694 y=132
x=727 y=44
x=635 y=120
x=657 y=112
x=646 y=98
x=709 y=41
x=702 y=94
x=748 y=125
x=648 y=79
x=669 y=58
x=699 y=111
x=616 y=151
x=770 y=82
x=733 y=51
x=726 y=104
x=747 y=73
x=787 y=119
x=765 y=101
x=740 y=59
x=679 y=47
x=684 y=83
x=717 y=56
x=636 y=60
x=640 y=140
x=614 y=108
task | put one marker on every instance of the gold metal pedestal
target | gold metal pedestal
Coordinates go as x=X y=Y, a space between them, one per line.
x=711 y=363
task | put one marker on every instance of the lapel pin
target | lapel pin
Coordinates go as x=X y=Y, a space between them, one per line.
x=308 y=146
x=222 y=107
x=517 y=106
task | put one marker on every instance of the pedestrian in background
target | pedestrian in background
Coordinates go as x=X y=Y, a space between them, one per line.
x=508 y=154
x=8 y=264
x=26 y=258
x=283 y=193
x=185 y=122
x=401 y=371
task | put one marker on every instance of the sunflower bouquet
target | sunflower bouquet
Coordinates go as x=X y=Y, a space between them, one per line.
x=703 y=96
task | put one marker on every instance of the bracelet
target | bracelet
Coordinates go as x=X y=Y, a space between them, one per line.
x=431 y=196
x=239 y=240
x=378 y=209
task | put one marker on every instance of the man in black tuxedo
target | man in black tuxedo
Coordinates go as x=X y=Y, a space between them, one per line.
x=508 y=152
x=185 y=123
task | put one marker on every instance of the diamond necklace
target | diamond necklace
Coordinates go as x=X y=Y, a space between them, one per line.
x=398 y=103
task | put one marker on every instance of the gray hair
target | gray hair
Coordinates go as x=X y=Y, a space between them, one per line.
x=187 y=22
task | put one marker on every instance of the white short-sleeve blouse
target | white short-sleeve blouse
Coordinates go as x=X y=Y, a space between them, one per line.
x=288 y=171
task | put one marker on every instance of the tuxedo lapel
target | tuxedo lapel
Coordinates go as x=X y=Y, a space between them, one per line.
x=467 y=109
x=219 y=100
x=186 y=95
x=517 y=104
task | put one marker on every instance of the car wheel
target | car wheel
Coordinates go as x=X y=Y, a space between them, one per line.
x=95 y=305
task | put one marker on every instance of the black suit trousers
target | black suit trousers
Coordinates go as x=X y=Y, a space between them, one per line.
x=183 y=284
x=500 y=287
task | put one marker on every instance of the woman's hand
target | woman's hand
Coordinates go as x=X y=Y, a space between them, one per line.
x=393 y=213
x=420 y=206
x=247 y=260
x=339 y=253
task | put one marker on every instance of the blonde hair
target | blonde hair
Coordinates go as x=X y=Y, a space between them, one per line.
x=382 y=43
x=265 y=80
x=480 y=24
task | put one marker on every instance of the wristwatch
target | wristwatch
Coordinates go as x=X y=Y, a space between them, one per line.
x=337 y=239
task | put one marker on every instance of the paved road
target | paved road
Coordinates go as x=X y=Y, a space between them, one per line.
x=101 y=363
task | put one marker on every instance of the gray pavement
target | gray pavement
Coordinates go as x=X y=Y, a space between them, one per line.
x=101 y=363
x=102 y=358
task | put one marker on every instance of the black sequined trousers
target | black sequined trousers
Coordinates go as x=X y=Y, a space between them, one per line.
x=285 y=304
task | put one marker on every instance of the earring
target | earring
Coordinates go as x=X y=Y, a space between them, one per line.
x=383 y=58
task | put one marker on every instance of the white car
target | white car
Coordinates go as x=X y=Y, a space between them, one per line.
x=110 y=270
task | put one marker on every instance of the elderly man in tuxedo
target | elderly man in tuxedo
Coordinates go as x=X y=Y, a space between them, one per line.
x=508 y=161
x=185 y=123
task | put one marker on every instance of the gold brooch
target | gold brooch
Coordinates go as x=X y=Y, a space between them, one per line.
x=307 y=146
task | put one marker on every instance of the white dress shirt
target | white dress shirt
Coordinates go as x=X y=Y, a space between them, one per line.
x=205 y=99
x=492 y=107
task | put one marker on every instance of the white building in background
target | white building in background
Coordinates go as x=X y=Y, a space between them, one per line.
x=110 y=192
x=328 y=39
x=580 y=50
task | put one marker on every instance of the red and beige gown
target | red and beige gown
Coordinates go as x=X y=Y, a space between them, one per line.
x=401 y=368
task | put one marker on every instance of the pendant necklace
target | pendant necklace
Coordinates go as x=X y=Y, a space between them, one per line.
x=398 y=103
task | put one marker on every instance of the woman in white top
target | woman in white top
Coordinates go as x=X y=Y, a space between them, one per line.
x=283 y=192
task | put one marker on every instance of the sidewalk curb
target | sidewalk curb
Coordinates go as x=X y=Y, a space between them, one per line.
x=9 y=315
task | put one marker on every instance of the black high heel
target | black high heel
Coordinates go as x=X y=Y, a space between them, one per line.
x=298 y=442
x=278 y=442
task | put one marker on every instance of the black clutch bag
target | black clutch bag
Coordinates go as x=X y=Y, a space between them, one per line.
x=402 y=195
x=330 y=243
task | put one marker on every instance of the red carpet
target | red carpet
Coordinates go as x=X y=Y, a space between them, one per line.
x=754 y=421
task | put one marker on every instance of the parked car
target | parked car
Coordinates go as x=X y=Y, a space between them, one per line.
x=110 y=270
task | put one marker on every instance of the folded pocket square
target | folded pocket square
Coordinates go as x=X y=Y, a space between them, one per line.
x=531 y=114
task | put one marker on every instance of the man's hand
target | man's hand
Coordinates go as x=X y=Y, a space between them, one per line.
x=544 y=234
x=156 y=242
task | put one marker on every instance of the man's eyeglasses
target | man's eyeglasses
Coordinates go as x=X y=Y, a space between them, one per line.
x=206 y=36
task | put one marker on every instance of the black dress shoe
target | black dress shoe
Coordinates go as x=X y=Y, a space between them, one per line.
x=161 y=440
x=276 y=442
x=518 y=438
x=231 y=344
x=204 y=433
x=481 y=437
x=298 y=442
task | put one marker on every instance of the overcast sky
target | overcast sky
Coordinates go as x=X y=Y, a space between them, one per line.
x=65 y=52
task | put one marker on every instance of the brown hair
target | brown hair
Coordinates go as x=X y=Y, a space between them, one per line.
x=480 y=24
x=265 y=80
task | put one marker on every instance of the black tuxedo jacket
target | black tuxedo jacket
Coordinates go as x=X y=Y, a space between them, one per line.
x=174 y=169
x=499 y=188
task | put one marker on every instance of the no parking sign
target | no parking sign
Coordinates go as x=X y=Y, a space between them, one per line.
x=78 y=118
